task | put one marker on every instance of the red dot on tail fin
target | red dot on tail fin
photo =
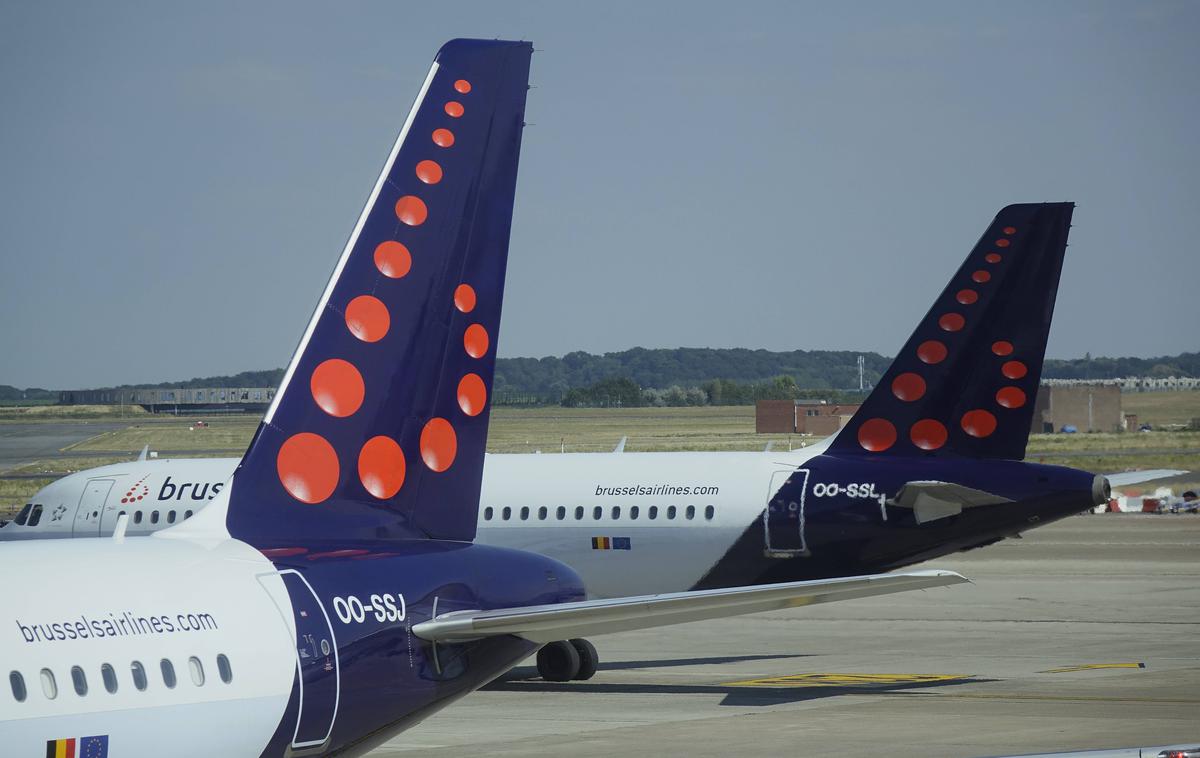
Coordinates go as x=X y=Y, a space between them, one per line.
x=472 y=394
x=928 y=434
x=308 y=467
x=1010 y=397
x=393 y=259
x=381 y=467
x=411 y=210
x=952 y=322
x=876 y=435
x=439 y=444
x=1014 y=369
x=475 y=341
x=978 y=423
x=429 y=172
x=908 y=387
x=337 y=387
x=367 y=318
x=931 y=352
x=464 y=298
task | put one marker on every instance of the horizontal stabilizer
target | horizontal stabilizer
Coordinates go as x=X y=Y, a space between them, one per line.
x=547 y=623
x=1126 y=478
x=931 y=501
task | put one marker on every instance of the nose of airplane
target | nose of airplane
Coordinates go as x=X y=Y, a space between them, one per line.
x=1101 y=490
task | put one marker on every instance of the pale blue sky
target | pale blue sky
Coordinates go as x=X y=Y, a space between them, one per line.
x=176 y=180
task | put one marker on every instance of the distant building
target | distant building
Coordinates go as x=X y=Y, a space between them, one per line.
x=1087 y=408
x=816 y=417
x=177 y=400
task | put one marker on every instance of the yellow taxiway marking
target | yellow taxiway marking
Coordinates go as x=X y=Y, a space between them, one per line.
x=1090 y=666
x=844 y=680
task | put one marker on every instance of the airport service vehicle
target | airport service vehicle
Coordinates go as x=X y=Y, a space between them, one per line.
x=331 y=595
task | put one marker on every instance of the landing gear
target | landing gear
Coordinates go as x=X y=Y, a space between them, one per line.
x=588 y=660
x=565 y=660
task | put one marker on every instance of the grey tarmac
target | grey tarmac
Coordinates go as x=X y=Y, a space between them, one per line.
x=1083 y=635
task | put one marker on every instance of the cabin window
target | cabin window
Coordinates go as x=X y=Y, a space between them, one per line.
x=652 y=512
x=506 y=514
x=139 y=675
x=487 y=513
x=691 y=512
x=196 y=669
x=187 y=515
x=79 y=679
x=709 y=512
x=109 y=675
x=35 y=515
x=670 y=511
x=597 y=512
x=579 y=513
x=168 y=672
x=17 y=682
x=542 y=513
x=525 y=513
x=137 y=517
x=170 y=517
x=633 y=512
x=616 y=512
x=224 y=669
x=153 y=517
x=120 y=514
x=49 y=686
x=560 y=513
x=23 y=516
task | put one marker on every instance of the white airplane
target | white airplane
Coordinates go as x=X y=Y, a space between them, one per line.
x=330 y=595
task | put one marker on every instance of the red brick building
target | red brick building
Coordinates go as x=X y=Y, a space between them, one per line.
x=815 y=417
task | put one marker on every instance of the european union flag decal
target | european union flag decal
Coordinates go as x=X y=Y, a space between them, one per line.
x=93 y=747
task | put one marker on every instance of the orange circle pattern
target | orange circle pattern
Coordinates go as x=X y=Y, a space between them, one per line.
x=308 y=467
x=367 y=318
x=337 y=387
x=439 y=444
x=393 y=259
x=381 y=467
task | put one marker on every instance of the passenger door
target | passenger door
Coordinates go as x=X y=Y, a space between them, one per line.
x=91 y=507
x=784 y=517
x=316 y=661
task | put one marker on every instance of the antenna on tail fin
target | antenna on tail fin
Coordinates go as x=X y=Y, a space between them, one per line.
x=966 y=381
x=378 y=428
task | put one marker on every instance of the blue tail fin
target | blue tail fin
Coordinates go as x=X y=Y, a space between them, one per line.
x=379 y=425
x=966 y=381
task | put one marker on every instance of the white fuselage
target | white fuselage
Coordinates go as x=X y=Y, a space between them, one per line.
x=200 y=602
x=629 y=523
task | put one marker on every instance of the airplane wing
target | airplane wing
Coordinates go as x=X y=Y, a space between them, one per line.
x=931 y=500
x=620 y=448
x=1136 y=477
x=547 y=623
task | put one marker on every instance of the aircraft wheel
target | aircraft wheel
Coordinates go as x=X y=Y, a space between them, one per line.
x=588 y=659
x=558 y=661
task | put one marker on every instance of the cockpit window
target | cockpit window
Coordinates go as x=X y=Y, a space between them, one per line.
x=23 y=516
x=35 y=515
